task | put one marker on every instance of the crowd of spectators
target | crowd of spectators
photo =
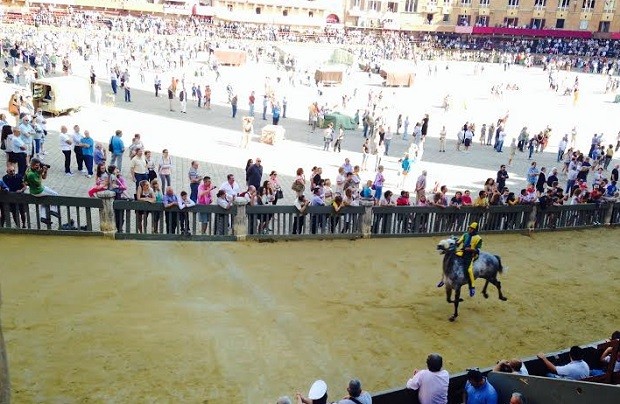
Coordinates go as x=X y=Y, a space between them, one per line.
x=432 y=384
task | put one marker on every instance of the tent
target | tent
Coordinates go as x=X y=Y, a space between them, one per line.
x=328 y=76
x=397 y=77
x=232 y=57
x=338 y=119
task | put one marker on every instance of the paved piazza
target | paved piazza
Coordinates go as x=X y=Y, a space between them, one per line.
x=212 y=137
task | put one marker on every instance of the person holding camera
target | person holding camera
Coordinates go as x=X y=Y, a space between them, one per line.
x=35 y=174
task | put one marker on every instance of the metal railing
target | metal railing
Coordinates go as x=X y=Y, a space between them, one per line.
x=143 y=220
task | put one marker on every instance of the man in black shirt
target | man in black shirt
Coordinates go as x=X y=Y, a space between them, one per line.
x=15 y=182
x=614 y=173
x=502 y=176
x=553 y=177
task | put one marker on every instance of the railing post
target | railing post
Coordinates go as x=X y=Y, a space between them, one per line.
x=531 y=221
x=107 y=223
x=366 y=218
x=608 y=213
x=240 y=221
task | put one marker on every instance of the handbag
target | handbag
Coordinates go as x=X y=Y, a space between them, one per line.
x=279 y=194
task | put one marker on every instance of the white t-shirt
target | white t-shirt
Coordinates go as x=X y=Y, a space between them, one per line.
x=63 y=138
x=575 y=370
x=363 y=398
x=231 y=190
x=432 y=386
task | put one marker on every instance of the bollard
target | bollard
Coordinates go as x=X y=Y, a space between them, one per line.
x=367 y=218
x=240 y=221
x=107 y=223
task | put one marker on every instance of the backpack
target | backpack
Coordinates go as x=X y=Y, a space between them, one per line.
x=110 y=147
x=182 y=96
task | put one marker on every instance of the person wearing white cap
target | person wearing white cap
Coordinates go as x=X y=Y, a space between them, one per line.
x=316 y=395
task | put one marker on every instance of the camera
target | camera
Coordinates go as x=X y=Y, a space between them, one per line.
x=46 y=166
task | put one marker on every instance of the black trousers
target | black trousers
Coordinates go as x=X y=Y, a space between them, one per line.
x=21 y=163
x=79 y=157
x=67 y=154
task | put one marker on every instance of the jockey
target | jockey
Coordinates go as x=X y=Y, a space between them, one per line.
x=470 y=243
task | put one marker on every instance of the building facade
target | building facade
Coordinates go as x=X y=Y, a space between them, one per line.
x=445 y=15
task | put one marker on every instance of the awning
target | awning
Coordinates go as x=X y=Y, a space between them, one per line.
x=552 y=33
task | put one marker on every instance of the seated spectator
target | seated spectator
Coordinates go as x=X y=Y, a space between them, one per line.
x=466 y=199
x=478 y=390
x=431 y=383
x=356 y=394
x=517 y=398
x=577 y=369
x=316 y=395
x=606 y=357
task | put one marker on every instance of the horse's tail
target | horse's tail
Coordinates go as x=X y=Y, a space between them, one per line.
x=500 y=268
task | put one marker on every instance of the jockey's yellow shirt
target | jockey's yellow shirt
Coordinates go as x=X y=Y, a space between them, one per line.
x=467 y=240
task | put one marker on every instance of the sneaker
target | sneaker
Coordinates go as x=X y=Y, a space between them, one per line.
x=472 y=292
x=83 y=171
x=69 y=174
x=440 y=284
x=88 y=176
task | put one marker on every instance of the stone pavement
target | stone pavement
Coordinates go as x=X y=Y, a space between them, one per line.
x=212 y=137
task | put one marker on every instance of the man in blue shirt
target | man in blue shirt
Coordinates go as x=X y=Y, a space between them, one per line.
x=88 y=149
x=117 y=147
x=478 y=390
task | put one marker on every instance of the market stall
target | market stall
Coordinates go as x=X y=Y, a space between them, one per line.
x=231 y=57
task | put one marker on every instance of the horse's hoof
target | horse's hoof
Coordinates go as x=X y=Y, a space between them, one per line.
x=461 y=300
x=486 y=295
x=503 y=298
x=452 y=318
x=450 y=301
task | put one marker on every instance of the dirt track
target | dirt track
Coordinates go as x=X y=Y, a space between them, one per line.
x=95 y=320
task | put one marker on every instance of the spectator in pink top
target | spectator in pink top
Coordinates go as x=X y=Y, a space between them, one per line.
x=431 y=384
x=205 y=198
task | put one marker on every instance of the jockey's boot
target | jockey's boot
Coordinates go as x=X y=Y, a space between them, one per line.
x=472 y=291
x=440 y=284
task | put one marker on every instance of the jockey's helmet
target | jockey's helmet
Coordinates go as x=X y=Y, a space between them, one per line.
x=474 y=225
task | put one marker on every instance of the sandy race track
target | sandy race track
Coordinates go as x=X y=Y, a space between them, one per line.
x=91 y=320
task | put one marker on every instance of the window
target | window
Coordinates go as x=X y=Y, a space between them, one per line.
x=513 y=3
x=540 y=3
x=285 y=13
x=392 y=7
x=559 y=23
x=588 y=4
x=603 y=26
x=311 y=14
x=609 y=7
x=583 y=24
x=356 y=4
x=258 y=10
x=230 y=8
x=374 y=5
x=482 y=21
x=484 y=3
x=446 y=18
x=464 y=20
x=563 y=4
x=537 y=23
x=411 y=6
x=511 y=22
x=466 y=3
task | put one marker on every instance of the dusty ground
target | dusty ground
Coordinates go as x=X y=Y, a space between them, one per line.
x=90 y=320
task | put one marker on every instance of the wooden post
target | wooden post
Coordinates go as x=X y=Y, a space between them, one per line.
x=5 y=382
x=106 y=214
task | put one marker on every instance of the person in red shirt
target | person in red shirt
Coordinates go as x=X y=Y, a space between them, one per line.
x=403 y=199
x=466 y=198
x=251 y=101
